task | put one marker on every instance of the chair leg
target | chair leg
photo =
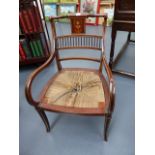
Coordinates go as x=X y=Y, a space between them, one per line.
x=106 y=126
x=44 y=118
x=113 y=38
x=129 y=36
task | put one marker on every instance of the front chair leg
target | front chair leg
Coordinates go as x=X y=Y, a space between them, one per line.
x=44 y=118
x=106 y=126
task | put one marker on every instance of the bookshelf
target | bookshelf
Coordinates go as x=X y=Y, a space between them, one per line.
x=54 y=7
x=107 y=2
x=34 y=40
x=107 y=6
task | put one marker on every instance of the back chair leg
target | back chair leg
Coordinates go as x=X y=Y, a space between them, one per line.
x=106 y=126
x=129 y=36
x=44 y=118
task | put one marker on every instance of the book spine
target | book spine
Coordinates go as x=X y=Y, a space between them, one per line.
x=32 y=18
x=36 y=48
x=19 y=57
x=45 y=50
x=32 y=49
x=27 y=19
x=40 y=47
x=20 y=32
x=21 y=52
x=22 y=22
x=26 y=48
x=38 y=19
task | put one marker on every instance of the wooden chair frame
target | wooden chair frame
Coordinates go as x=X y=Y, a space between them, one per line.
x=55 y=55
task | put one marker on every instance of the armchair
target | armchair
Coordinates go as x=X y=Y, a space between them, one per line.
x=82 y=91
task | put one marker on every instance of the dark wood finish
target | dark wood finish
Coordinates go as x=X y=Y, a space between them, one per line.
x=124 y=10
x=33 y=61
x=124 y=73
x=124 y=20
x=106 y=126
x=44 y=118
x=62 y=42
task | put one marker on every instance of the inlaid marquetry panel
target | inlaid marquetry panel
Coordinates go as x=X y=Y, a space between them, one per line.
x=78 y=25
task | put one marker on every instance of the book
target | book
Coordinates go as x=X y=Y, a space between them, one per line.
x=44 y=45
x=20 y=32
x=38 y=19
x=19 y=57
x=110 y=13
x=33 y=49
x=36 y=48
x=26 y=48
x=40 y=47
x=90 y=7
x=22 y=22
x=50 y=10
x=21 y=52
x=32 y=18
x=66 y=9
x=29 y=25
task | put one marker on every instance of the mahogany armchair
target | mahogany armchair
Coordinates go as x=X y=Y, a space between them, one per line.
x=76 y=90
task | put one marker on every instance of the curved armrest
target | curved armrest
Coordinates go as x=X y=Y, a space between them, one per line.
x=31 y=78
x=111 y=84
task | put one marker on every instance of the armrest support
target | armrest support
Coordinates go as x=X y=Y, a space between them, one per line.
x=111 y=84
x=32 y=77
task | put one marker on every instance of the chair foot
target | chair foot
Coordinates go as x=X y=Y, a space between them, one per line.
x=44 y=118
x=106 y=126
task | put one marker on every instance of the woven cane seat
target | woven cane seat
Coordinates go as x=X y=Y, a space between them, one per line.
x=76 y=90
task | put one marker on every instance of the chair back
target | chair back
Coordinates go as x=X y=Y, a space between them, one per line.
x=78 y=39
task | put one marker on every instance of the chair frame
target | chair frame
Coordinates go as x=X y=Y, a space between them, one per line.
x=55 y=55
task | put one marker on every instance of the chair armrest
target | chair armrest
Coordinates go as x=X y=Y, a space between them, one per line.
x=32 y=77
x=111 y=84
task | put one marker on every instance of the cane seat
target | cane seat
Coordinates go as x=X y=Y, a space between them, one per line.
x=76 y=90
